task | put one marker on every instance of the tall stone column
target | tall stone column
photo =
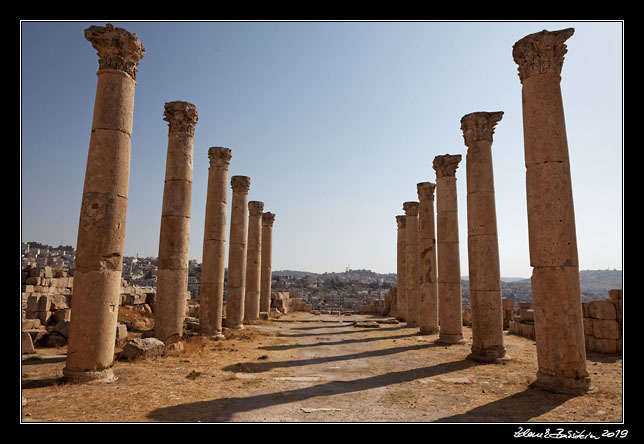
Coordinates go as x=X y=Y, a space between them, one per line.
x=174 y=238
x=101 y=228
x=450 y=300
x=482 y=241
x=267 y=261
x=213 y=261
x=428 y=274
x=237 y=251
x=412 y=278
x=253 y=261
x=556 y=294
x=401 y=269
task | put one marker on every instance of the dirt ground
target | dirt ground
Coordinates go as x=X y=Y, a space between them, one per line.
x=317 y=369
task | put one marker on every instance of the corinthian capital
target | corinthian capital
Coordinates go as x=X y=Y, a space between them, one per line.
x=219 y=156
x=240 y=183
x=446 y=165
x=117 y=48
x=479 y=125
x=255 y=208
x=401 y=221
x=425 y=190
x=411 y=208
x=541 y=52
x=181 y=117
x=268 y=219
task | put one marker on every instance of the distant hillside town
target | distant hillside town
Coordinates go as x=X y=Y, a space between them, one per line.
x=343 y=290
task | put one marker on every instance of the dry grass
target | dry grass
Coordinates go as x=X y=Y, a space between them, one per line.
x=385 y=374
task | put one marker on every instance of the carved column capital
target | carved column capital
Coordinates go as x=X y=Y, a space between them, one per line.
x=479 y=125
x=541 y=52
x=401 y=221
x=425 y=191
x=411 y=208
x=446 y=165
x=219 y=156
x=181 y=117
x=117 y=48
x=268 y=219
x=255 y=208
x=240 y=183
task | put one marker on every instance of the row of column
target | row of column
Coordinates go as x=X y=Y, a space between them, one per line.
x=99 y=253
x=431 y=299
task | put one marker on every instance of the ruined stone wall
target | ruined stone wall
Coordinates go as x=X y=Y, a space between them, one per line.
x=603 y=324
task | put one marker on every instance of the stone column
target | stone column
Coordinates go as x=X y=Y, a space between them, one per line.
x=450 y=300
x=253 y=261
x=482 y=241
x=556 y=293
x=412 y=277
x=401 y=270
x=237 y=251
x=213 y=261
x=428 y=274
x=101 y=229
x=174 y=238
x=267 y=260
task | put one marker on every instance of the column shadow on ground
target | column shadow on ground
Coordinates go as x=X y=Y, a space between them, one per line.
x=344 y=341
x=224 y=409
x=258 y=367
x=519 y=407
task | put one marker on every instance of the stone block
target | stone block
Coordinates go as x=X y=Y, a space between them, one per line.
x=62 y=327
x=121 y=334
x=135 y=299
x=27 y=344
x=508 y=303
x=28 y=324
x=615 y=294
x=140 y=348
x=58 y=302
x=602 y=310
x=36 y=334
x=606 y=329
x=61 y=315
x=588 y=326
x=618 y=307
x=263 y=315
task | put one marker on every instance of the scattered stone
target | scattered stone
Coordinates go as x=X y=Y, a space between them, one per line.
x=263 y=357
x=322 y=409
x=27 y=344
x=142 y=348
x=366 y=324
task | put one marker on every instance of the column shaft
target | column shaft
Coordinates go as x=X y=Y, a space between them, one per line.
x=214 y=244
x=267 y=259
x=428 y=274
x=236 y=290
x=483 y=246
x=174 y=237
x=556 y=294
x=450 y=306
x=253 y=261
x=412 y=278
x=401 y=270
x=101 y=230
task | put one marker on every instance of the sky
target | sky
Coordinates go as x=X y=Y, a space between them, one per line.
x=334 y=122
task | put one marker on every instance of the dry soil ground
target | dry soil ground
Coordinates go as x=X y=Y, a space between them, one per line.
x=306 y=368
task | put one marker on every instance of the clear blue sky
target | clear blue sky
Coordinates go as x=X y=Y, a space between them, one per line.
x=334 y=122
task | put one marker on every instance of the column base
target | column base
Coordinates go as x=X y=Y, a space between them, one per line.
x=496 y=355
x=81 y=376
x=562 y=384
x=428 y=330
x=450 y=339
